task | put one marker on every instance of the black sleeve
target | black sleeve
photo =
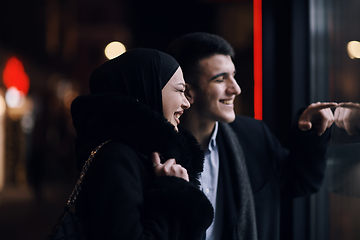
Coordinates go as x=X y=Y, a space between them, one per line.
x=127 y=205
x=307 y=161
x=300 y=169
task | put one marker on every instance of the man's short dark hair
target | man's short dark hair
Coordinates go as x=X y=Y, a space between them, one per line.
x=191 y=48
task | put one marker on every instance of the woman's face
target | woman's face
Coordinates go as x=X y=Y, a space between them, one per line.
x=173 y=98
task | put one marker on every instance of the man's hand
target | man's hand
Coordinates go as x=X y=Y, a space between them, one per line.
x=169 y=168
x=347 y=116
x=318 y=116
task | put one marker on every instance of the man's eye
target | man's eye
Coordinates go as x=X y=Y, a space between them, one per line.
x=219 y=80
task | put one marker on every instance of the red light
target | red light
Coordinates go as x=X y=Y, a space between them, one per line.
x=257 y=10
x=15 y=76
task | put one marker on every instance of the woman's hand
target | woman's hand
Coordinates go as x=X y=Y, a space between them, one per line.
x=169 y=168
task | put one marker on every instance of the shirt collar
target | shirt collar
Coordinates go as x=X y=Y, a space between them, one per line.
x=212 y=142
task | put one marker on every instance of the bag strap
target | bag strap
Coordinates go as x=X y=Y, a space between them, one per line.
x=74 y=194
x=76 y=191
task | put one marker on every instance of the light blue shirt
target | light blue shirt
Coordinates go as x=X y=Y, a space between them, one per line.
x=209 y=179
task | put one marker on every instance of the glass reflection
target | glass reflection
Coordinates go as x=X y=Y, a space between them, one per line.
x=343 y=172
x=347 y=117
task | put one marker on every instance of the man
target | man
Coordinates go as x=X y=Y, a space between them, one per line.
x=246 y=169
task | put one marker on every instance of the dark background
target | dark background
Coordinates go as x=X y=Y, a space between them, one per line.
x=61 y=41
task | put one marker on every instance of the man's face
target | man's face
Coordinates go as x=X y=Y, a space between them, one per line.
x=217 y=88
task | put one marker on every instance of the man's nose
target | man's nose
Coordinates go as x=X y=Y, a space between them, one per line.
x=234 y=87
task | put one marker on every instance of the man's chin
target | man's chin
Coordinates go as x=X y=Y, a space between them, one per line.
x=228 y=119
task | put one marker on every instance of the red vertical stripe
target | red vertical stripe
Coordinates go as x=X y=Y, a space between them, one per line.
x=257 y=8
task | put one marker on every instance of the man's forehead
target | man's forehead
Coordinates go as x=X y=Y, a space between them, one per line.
x=216 y=64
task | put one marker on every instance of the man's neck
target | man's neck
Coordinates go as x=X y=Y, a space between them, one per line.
x=202 y=129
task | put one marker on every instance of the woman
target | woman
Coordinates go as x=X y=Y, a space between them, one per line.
x=129 y=193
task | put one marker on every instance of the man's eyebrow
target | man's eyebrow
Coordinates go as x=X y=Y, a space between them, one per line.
x=218 y=75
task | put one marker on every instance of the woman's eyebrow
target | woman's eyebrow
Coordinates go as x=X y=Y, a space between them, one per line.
x=182 y=84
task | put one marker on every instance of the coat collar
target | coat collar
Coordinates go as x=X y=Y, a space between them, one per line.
x=99 y=117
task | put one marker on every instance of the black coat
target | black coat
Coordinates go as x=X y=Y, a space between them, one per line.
x=273 y=170
x=121 y=198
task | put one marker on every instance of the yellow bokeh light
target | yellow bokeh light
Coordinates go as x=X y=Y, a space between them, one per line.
x=114 y=49
x=353 y=49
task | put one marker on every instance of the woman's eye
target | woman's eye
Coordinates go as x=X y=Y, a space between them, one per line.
x=181 y=90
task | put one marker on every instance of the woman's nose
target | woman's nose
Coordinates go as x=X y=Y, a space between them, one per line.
x=185 y=103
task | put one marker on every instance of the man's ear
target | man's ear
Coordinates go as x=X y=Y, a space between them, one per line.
x=190 y=93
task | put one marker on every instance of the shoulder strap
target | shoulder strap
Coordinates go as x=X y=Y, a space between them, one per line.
x=77 y=188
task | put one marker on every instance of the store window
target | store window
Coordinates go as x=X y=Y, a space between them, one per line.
x=335 y=76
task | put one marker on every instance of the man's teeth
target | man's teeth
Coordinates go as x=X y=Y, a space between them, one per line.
x=227 y=102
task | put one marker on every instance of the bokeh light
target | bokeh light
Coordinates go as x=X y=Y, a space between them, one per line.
x=27 y=122
x=353 y=48
x=2 y=106
x=14 y=98
x=14 y=75
x=114 y=49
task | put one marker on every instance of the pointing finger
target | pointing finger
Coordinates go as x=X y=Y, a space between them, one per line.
x=318 y=106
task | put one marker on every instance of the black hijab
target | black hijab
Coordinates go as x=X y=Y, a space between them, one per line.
x=138 y=73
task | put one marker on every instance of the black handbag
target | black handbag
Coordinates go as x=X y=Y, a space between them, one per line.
x=68 y=226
